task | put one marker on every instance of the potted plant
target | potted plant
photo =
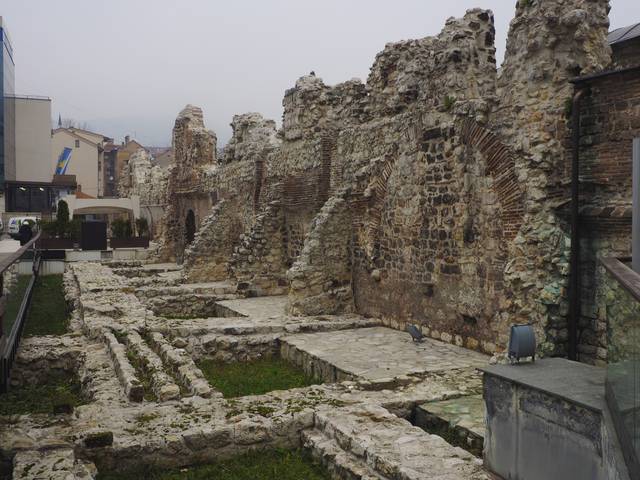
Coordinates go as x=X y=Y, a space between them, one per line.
x=122 y=234
x=59 y=234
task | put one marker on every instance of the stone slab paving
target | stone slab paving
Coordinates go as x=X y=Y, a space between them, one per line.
x=361 y=422
x=270 y=307
x=379 y=352
x=465 y=412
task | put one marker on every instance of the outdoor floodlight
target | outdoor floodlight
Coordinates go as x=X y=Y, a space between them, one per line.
x=522 y=343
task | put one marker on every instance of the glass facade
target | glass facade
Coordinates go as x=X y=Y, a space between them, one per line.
x=7 y=108
x=622 y=305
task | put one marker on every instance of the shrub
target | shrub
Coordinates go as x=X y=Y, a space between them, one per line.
x=121 y=228
x=142 y=226
x=49 y=228
x=449 y=102
x=62 y=214
x=73 y=230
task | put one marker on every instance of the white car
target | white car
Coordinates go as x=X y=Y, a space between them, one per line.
x=13 y=227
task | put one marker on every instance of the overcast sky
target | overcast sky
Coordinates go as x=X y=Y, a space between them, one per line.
x=129 y=66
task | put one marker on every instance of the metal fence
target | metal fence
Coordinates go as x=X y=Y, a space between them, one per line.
x=18 y=274
x=620 y=292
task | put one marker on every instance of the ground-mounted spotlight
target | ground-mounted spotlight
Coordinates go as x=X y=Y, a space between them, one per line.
x=522 y=343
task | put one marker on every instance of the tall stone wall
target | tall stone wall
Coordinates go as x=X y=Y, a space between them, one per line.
x=189 y=201
x=549 y=43
x=456 y=175
x=237 y=190
x=140 y=178
x=440 y=186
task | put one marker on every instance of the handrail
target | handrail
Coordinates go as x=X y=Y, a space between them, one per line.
x=15 y=256
x=10 y=341
x=625 y=276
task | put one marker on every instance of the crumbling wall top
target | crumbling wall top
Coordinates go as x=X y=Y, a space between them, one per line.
x=192 y=142
x=252 y=135
x=457 y=64
x=311 y=105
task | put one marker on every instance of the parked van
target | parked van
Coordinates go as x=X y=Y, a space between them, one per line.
x=13 y=227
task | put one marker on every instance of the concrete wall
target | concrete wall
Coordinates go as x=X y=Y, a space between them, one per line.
x=33 y=140
x=556 y=431
x=84 y=159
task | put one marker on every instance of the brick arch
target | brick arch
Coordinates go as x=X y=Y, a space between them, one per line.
x=501 y=166
x=378 y=192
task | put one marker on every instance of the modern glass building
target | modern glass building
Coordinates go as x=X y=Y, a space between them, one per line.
x=7 y=108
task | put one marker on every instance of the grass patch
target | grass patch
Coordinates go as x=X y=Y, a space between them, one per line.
x=268 y=465
x=14 y=299
x=48 y=312
x=254 y=378
x=59 y=394
x=143 y=376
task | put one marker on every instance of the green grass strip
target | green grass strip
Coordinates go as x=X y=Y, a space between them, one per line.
x=58 y=392
x=254 y=378
x=48 y=314
x=260 y=465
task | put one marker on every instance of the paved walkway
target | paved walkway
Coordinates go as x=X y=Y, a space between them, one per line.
x=379 y=352
x=270 y=307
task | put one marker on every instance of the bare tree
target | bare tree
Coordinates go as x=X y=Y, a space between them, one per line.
x=73 y=123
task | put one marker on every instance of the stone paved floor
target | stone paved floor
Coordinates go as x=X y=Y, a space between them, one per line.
x=347 y=423
x=464 y=412
x=379 y=352
x=270 y=307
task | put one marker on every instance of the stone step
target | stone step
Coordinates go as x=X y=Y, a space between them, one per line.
x=182 y=365
x=205 y=288
x=394 y=448
x=132 y=386
x=52 y=464
x=164 y=388
x=461 y=421
x=191 y=305
x=340 y=464
x=312 y=365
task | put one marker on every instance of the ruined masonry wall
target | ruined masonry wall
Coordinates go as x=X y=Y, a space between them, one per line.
x=195 y=152
x=444 y=182
x=326 y=289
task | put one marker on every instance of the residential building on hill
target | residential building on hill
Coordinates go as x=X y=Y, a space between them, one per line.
x=81 y=153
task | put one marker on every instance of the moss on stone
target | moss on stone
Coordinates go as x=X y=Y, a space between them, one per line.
x=265 y=465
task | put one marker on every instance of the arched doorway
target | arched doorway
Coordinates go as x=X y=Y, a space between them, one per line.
x=190 y=227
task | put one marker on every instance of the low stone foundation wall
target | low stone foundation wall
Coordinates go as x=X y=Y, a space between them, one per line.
x=42 y=357
x=190 y=306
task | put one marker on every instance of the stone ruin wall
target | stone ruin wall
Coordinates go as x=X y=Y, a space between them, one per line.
x=141 y=178
x=195 y=154
x=236 y=186
x=428 y=195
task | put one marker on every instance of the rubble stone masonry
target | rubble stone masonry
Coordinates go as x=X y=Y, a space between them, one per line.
x=434 y=194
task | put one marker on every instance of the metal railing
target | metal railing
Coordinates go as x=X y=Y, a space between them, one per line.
x=15 y=302
x=620 y=293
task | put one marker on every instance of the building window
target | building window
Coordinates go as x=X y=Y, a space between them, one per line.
x=77 y=143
